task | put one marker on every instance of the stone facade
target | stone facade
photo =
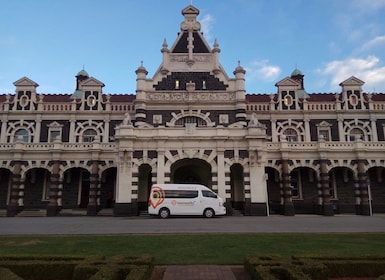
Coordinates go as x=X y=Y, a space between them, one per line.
x=286 y=153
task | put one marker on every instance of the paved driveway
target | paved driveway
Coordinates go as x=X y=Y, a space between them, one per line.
x=226 y=224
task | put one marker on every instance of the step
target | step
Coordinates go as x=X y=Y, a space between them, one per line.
x=106 y=212
x=73 y=212
x=33 y=213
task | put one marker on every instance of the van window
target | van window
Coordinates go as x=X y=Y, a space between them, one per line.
x=180 y=194
x=209 y=194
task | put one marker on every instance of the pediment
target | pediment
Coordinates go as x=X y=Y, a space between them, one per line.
x=55 y=125
x=287 y=82
x=25 y=82
x=190 y=10
x=352 y=81
x=324 y=124
x=92 y=82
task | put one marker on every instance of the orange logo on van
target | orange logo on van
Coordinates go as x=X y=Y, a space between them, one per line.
x=156 y=196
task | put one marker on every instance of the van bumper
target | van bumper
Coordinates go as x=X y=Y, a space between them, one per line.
x=221 y=211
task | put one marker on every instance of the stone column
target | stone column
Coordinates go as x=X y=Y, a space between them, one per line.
x=36 y=136
x=364 y=208
x=287 y=207
x=221 y=181
x=124 y=204
x=327 y=206
x=52 y=207
x=160 y=168
x=13 y=205
x=92 y=208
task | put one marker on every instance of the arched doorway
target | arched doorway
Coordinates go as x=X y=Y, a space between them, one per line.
x=76 y=188
x=342 y=189
x=5 y=185
x=304 y=184
x=273 y=190
x=107 y=188
x=144 y=186
x=191 y=171
x=237 y=187
x=376 y=176
x=36 y=188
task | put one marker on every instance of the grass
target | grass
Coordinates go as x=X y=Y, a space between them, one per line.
x=198 y=248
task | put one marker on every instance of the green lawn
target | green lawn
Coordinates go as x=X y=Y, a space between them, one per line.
x=198 y=248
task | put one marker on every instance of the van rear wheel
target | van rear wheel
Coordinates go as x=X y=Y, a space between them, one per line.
x=209 y=213
x=164 y=213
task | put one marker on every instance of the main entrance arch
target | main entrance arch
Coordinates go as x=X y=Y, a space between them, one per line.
x=191 y=171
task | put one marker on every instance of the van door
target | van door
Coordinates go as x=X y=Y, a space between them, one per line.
x=209 y=199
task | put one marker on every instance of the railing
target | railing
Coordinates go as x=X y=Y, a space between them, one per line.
x=56 y=107
x=326 y=146
x=321 y=106
x=45 y=147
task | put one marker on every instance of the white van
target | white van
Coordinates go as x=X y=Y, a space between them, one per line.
x=184 y=199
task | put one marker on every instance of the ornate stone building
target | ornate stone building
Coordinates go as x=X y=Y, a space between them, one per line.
x=286 y=153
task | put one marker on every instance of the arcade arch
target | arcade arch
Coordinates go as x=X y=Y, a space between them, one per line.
x=193 y=171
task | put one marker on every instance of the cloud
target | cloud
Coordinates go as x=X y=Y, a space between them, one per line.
x=367 y=6
x=207 y=22
x=262 y=70
x=367 y=69
x=377 y=41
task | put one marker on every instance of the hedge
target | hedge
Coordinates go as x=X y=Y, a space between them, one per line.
x=76 y=267
x=316 y=268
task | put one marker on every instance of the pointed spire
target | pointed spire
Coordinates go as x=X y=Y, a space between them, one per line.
x=216 y=46
x=164 y=46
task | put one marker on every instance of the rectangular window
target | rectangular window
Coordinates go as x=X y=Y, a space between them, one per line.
x=324 y=134
x=54 y=134
x=209 y=194
x=180 y=194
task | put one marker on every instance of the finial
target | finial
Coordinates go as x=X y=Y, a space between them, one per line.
x=239 y=63
x=216 y=45
x=141 y=63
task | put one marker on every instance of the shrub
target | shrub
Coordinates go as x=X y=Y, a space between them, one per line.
x=7 y=274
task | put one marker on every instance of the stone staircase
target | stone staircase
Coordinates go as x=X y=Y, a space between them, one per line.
x=237 y=212
x=32 y=213
x=106 y=212
x=3 y=213
x=73 y=212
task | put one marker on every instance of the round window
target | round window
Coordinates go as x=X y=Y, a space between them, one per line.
x=24 y=100
x=91 y=101
x=288 y=100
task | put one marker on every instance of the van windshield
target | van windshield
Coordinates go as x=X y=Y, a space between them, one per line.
x=209 y=194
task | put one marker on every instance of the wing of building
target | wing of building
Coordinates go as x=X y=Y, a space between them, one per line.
x=286 y=153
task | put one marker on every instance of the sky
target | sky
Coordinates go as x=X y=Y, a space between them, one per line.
x=50 y=41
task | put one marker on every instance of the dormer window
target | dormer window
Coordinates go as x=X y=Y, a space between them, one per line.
x=353 y=99
x=24 y=100
x=288 y=100
x=91 y=101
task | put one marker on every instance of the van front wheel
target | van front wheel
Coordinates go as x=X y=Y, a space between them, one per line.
x=164 y=213
x=209 y=213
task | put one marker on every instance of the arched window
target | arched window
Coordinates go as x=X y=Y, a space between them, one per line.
x=89 y=135
x=190 y=120
x=21 y=135
x=291 y=135
x=356 y=134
